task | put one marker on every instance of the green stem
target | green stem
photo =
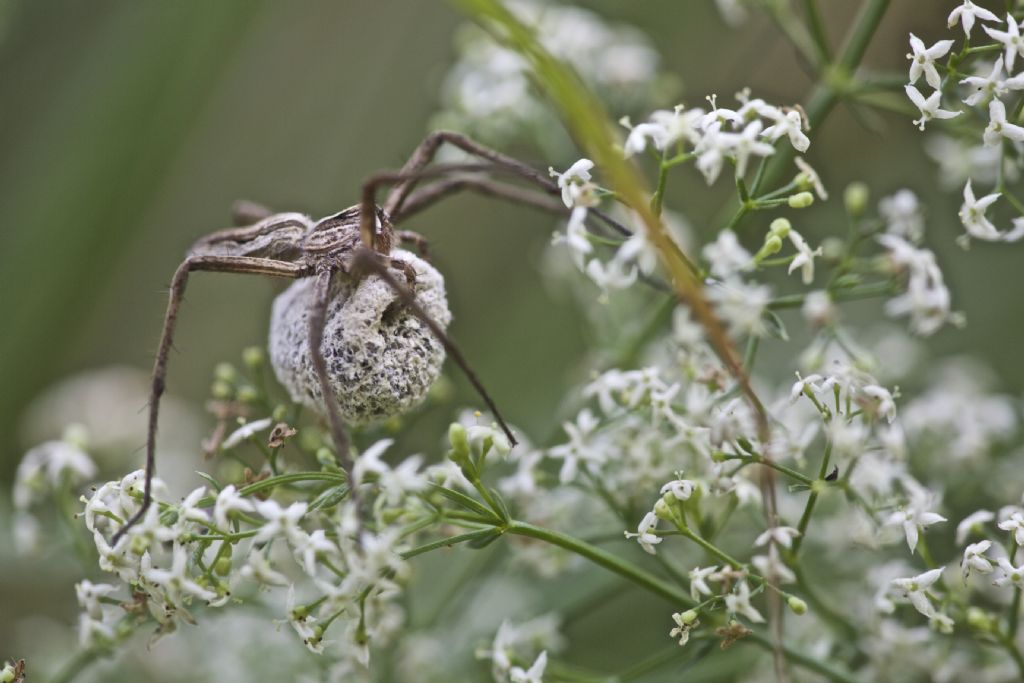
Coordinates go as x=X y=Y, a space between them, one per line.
x=812 y=500
x=817 y=28
x=449 y=541
x=281 y=480
x=711 y=548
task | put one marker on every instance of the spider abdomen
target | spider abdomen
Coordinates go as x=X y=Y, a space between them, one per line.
x=380 y=357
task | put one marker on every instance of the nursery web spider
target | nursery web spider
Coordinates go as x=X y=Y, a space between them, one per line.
x=353 y=243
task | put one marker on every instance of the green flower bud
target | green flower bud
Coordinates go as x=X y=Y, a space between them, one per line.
x=780 y=227
x=280 y=413
x=797 y=605
x=663 y=510
x=800 y=200
x=772 y=245
x=7 y=674
x=221 y=390
x=325 y=457
x=253 y=357
x=855 y=197
x=223 y=566
x=689 y=616
x=225 y=372
x=980 y=620
x=460 y=443
x=247 y=393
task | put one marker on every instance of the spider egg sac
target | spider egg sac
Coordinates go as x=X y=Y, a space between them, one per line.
x=381 y=358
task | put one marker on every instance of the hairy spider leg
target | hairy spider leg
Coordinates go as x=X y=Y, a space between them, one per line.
x=217 y=264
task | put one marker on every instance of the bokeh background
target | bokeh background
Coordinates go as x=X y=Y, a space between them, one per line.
x=127 y=129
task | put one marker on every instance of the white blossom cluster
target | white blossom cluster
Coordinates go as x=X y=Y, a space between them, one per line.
x=488 y=92
x=988 y=135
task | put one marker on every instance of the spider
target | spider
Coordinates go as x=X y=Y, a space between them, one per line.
x=353 y=243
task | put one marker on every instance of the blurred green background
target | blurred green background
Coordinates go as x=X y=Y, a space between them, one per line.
x=127 y=130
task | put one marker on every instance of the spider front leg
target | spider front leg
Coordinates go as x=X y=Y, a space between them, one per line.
x=219 y=264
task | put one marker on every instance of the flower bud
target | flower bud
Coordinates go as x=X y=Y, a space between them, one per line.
x=855 y=197
x=460 y=443
x=225 y=372
x=689 y=616
x=280 y=413
x=780 y=227
x=797 y=605
x=980 y=620
x=247 y=393
x=223 y=566
x=800 y=200
x=253 y=357
x=325 y=457
x=663 y=510
x=772 y=245
x=7 y=674
x=221 y=390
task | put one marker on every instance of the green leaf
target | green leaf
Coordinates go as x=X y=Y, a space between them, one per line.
x=217 y=486
x=329 y=497
x=776 y=328
x=502 y=510
x=485 y=540
x=462 y=500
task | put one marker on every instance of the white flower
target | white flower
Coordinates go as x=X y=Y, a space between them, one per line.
x=575 y=184
x=783 y=535
x=89 y=595
x=1007 y=573
x=974 y=558
x=681 y=489
x=929 y=108
x=967 y=13
x=280 y=521
x=998 y=127
x=902 y=214
x=804 y=259
x=711 y=151
x=922 y=60
x=746 y=144
x=972 y=215
x=580 y=447
x=258 y=569
x=246 y=431
x=1011 y=40
x=972 y=523
x=726 y=256
x=914 y=518
x=984 y=87
x=683 y=626
x=44 y=468
x=738 y=602
x=310 y=547
x=741 y=305
x=535 y=674
x=304 y=624
x=1014 y=523
x=878 y=402
x=789 y=123
x=644 y=533
x=811 y=178
x=772 y=566
x=229 y=500
x=915 y=589
x=176 y=580
x=698 y=581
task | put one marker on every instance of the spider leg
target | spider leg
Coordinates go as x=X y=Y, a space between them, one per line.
x=317 y=319
x=427 y=149
x=221 y=264
x=246 y=212
x=414 y=238
x=426 y=197
x=368 y=261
